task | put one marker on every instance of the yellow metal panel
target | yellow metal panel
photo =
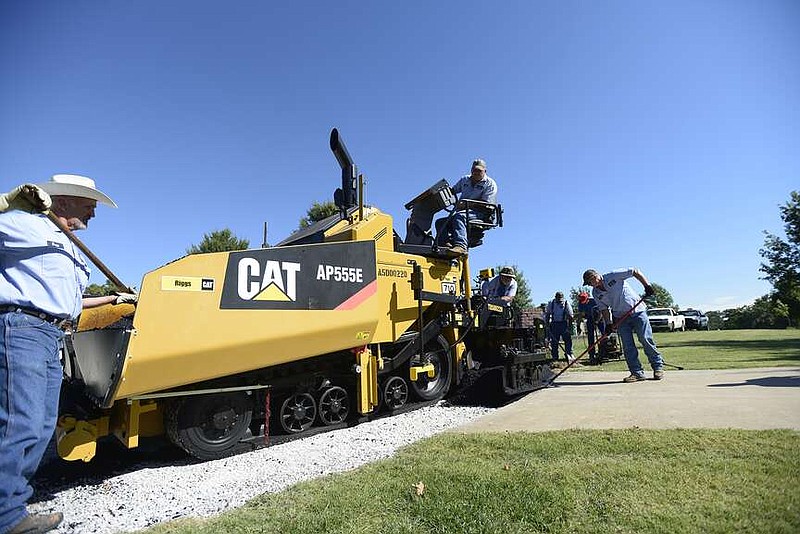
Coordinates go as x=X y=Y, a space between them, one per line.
x=183 y=336
x=398 y=309
x=367 y=394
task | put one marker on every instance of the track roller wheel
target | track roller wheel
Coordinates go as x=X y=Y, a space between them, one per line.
x=394 y=393
x=297 y=413
x=334 y=406
x=437 y=352
x=209 y=426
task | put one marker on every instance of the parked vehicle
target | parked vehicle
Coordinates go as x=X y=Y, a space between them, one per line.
x=666 y=319
x=695 y=319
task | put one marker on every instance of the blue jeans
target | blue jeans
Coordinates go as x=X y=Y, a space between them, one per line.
x=30 y=382
x=558 y=331
x=590 y=338
x=639 y=323
x=456 y=229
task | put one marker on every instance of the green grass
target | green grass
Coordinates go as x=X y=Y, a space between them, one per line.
x=635 y=481
x=718 y=349
x=641 y=481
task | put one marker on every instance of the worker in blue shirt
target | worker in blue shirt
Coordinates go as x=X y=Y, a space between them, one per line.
x=558 y=316
x=42 y=278
x=502 y=286
x=615 y=298
x=451 y=233
x=587 y=307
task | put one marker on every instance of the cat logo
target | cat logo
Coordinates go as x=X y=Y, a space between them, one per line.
x=329 y=276
x=276 y=282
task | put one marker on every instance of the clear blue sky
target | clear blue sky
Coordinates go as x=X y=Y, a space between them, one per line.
x=661 y=135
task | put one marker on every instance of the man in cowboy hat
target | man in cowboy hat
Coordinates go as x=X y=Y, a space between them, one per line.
x=41 y=294
x=452 y=232
x=503 y=286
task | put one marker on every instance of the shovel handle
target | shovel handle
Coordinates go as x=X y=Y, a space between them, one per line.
x=89 y=254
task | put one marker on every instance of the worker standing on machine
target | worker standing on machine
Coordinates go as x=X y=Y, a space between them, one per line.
x=558 y=316
x=615 y=296
x=587 y=308
x=502 y=286
x=41 y=288
x=451 y=233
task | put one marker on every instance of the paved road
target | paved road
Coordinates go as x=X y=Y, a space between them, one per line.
x=736 y=398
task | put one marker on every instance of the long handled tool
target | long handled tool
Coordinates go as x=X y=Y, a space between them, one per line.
x=89 y=254
x=604 y=336
x=78 y=243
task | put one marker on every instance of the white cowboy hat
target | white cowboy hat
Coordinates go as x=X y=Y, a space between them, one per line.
x=74 y=185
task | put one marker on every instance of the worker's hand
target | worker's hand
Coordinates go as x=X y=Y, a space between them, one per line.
x=27 y=197
x=649 y=291
x=126 y=298
x=608 y=330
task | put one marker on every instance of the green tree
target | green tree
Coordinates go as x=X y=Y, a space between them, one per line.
x=662 y=298
x=97 y=290
x=219 y=241
x=765 y=312
x=317 y=212
x=715 y=320
x=782 y=265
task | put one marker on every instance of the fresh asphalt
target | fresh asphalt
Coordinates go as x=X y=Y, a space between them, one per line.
x=759 y=398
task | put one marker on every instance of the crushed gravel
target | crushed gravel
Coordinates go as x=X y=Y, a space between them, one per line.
x=150 y=495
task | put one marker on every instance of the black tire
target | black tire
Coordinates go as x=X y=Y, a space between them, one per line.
x=297 y=413
x=437 y=351
x=209 y=427
x=394 y=393
x=333 y=406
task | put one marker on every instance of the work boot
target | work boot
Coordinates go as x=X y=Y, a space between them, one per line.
x=633 y=378
x=458 y=250
x=658 y=375
x=37 y=523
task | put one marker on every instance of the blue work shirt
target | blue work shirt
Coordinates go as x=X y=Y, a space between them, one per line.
x=558 y=311
x=618 y=295
x=40 y=268
x=496 y=288
x=485 y=190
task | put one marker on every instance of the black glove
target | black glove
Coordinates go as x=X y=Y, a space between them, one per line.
x=608 y=330
x=648 y=291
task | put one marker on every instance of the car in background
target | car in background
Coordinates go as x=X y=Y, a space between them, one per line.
x=666 y=319
x=695 y=319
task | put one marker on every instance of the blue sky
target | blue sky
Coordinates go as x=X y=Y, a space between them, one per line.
x=626 y=133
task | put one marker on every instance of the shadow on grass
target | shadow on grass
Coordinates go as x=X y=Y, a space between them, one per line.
x=767 y=382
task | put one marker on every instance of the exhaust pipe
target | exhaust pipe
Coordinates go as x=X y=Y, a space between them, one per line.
x=345 y=196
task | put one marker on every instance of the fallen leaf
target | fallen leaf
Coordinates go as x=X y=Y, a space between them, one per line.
x=420 y=487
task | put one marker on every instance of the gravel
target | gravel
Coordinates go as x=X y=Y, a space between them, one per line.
x=142 y=498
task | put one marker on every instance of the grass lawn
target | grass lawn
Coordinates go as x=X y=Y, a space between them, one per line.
x=572 y=481
x=718 y=349
x=599 y=481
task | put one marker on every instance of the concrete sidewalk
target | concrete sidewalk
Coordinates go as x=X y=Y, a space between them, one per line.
x=757 y=398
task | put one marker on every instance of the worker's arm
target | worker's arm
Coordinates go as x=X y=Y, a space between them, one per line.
x=122 y=298
x=648 y=289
